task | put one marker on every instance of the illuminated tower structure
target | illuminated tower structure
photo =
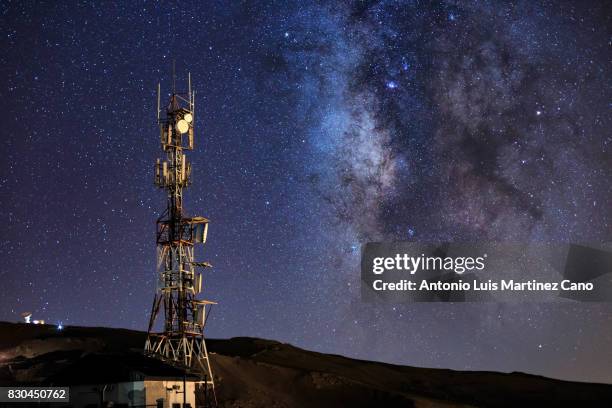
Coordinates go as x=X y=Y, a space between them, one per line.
x=181 y=342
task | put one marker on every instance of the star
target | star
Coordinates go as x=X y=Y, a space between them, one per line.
x=391 y=84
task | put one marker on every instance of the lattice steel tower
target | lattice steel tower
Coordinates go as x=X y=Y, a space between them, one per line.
x=182 y=340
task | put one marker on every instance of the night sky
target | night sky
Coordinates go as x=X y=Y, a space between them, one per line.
x=318 y=127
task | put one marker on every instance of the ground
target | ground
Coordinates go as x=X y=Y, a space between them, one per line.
x=252 y=372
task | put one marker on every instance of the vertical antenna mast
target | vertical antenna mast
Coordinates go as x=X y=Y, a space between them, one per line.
x=173 y=76
x=181 y=342
x=158 y=100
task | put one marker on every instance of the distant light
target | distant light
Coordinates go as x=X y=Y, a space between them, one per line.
x=286 y=34
x=60 y=327
x=451 y=17
x=538 y=113
x=391 y=84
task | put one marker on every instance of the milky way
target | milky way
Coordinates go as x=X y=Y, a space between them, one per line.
x=319 y=127
x=471 y=108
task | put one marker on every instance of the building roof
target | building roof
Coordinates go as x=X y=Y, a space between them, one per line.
x=105 y=368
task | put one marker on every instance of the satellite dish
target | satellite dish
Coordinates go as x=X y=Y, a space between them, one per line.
x=182 y=126
x=188 y=117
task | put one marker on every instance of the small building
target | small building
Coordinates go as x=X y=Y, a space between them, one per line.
x=27 y=318
x=127 y=380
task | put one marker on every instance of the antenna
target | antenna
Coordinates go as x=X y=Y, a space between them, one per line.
x=173 y=76
x=181 y=342
x=158 y=100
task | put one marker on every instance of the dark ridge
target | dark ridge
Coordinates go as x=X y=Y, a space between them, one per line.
x=261 y=373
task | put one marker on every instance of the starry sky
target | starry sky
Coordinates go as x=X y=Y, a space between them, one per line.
x=319 y=127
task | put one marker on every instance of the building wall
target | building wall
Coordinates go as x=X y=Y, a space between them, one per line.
x=156 y=389
x=135 y=393
x=130 y=393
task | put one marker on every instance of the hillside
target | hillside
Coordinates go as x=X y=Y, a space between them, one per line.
x=262 y=373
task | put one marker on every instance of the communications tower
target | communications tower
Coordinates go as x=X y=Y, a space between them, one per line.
x=181 y=342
